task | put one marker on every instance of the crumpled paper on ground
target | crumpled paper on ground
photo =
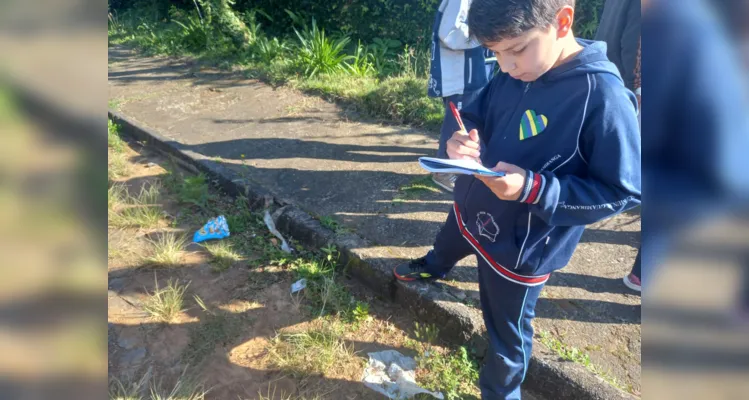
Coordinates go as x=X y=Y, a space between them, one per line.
x=394 y=375
x=272 y=227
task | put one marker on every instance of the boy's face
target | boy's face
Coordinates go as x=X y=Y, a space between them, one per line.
x=532 y=54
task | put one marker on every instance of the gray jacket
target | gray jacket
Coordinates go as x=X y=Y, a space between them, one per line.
x=620 y=29
x=458 y=61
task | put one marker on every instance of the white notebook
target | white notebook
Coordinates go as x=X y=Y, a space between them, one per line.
x=466 y=167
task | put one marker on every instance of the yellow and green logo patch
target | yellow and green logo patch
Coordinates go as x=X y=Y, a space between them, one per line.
x=532 y=124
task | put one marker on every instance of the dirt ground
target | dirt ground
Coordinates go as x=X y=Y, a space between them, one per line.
x=227 y=339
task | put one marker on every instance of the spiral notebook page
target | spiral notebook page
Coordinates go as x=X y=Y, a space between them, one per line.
x=466 y=167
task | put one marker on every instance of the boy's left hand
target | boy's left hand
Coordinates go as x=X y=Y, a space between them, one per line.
x=508 y=187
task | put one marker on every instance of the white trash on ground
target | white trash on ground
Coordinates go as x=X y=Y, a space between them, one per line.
x=272 y=227
x=393 y=375
x=298 y=285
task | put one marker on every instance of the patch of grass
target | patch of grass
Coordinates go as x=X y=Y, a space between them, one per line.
x=416 y=188
x=165 y=304
x=171 y=180
x=453 y=372
x=167 y=250
x=186 y=388
x=116 y=195
x=114 y=141
x=216 y=329
x=343 y=87
x=358 y=313
x=565 y=352
x=608 y=378
x=271 y=395
x=316 y=351
x=194 y=190
x=326 y=295
x=114 y=104
x=239 y=223
x=118 y=166
x=426 y=333
x=224 y=255
x=140 y=211
x=135 y=390
x=402 y=99
x=330 y=223
x=571 y=353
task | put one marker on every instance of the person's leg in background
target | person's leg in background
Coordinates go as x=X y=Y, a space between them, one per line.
x=634 y=279
x=508 y=309
x=449 y=248
x=743 y=303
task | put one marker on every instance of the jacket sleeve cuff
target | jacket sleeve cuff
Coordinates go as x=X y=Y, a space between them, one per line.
x=533 y=188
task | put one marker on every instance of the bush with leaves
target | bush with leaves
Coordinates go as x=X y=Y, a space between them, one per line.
x=318 y=53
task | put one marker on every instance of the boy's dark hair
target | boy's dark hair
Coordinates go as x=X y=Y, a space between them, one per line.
x=495 y=20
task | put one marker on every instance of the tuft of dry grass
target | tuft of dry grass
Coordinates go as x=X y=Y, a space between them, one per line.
x=167 y=250
x=165 y=304
x=185 y=388
x=224 y=255
x=141 y=211
x=314 y=351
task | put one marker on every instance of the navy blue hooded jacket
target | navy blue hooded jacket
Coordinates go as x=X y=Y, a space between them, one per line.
x=575 y=130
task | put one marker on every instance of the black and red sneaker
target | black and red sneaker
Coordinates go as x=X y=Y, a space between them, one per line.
x=413 y=270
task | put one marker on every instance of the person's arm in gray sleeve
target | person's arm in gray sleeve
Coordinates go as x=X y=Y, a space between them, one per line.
x=629 y=42
x=453 y=30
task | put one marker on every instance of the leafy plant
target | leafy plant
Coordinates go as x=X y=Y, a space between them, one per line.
x=358 y=313
x=384 y=55
x=114 y=26
x=195 y=34
x=362 y=62
x=298 y=19
x=114 y=141
x=453 y=372
x=267 y=50
x=319 y=54
x=587 y=15
x=194 y=190
x=253 y=26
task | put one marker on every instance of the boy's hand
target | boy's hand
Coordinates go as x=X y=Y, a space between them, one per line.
x=508 y=187
x=463 y=146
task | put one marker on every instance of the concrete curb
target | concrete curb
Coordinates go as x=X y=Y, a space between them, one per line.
x=547 y=375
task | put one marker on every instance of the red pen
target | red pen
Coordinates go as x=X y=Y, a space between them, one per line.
x=457 y=117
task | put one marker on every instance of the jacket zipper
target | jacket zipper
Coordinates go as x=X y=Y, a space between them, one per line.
x=470 y=70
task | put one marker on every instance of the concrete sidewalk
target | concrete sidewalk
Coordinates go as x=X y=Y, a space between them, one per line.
x=361 y=179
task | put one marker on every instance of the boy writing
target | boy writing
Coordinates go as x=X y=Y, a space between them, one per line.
x=559 y=121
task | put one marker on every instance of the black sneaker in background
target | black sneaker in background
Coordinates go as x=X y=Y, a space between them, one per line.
x=413 y=270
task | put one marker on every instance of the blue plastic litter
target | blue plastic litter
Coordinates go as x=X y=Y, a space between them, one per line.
x=217 y=228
